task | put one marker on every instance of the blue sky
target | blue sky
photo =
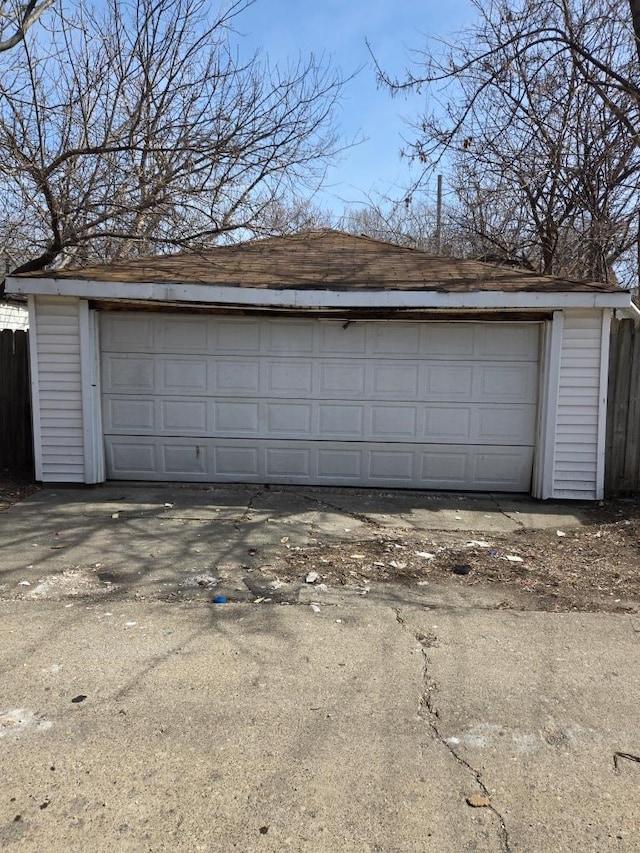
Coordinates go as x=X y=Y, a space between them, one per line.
x=338 y=29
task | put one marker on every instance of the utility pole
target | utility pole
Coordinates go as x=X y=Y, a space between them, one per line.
x=439 y=217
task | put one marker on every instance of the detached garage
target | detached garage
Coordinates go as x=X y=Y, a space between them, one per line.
x=321 y=359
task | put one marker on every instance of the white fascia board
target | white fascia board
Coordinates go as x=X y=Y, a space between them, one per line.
x=214 y=294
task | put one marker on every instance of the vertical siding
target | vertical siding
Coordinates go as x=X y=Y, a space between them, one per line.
x=60 y=389
x=576 y=449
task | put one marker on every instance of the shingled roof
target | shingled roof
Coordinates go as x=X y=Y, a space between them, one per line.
x=326 y=260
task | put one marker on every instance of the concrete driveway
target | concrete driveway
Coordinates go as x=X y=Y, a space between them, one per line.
x=150 y=537
x=395 y=723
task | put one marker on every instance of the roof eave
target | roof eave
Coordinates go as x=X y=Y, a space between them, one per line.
x=226 y=294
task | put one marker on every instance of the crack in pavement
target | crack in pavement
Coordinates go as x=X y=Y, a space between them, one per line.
x=428 y=712
x=358 y=516
x=312 y=527
x=506 y=514
x=249 y=506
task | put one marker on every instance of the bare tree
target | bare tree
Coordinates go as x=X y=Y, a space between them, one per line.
x=293 y=216
x=537 y=109
x=16 y=18
x=137 y=128
x=408 y=221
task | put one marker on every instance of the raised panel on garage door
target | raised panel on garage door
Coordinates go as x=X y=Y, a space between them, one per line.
x=413 y=405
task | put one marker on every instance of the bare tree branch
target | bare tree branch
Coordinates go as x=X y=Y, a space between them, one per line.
x=139 y=127
x=535 y=112
x=16 y=18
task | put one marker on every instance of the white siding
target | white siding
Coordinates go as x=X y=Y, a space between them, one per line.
x=13 y=317
x=577 y=425
x=59 y=384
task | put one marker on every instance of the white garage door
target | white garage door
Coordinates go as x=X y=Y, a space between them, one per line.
x=448 y=405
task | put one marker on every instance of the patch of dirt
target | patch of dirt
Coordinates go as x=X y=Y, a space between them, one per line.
x=595 y=567
x=14 y=488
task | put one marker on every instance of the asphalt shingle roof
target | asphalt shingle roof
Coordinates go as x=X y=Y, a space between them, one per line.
x=327 y=260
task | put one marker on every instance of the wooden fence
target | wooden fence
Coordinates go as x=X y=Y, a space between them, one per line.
x=622 y=467
x=16 y=435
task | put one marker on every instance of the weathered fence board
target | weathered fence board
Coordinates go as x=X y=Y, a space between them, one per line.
x=622 y=469
x=16 y=437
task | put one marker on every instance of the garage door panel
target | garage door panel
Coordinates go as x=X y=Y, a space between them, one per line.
x=393 y=381
x=341 y=379
x=516 y=383
x=390 y=423
x=127 y=459
x=189 y=416
x=285 y=377
x=237 y=336
x=236 y=377
x=386 y=465
x=507 y=466
x=448 y=340
x=125 y=414
x=505 y=425
x=290 y=337
x=122 y=333
x=364 y=421
x=340 y=465
x=128 y=373
x=507 y=341
x=177 y=375
x=447 y=423
x=288 y=419
x=420 y=405
x=449 y=467
x=448 y=381
x=184 y=334
x=182 y=461
x=339 y=420
x=288 y=462
x=236 y=417
x=235 y=460
x=343 y=339
x=384 y=340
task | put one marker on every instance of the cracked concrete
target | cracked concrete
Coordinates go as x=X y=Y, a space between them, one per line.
x=519 y=522
x=251 y=728
x=156 y=530
x=428 y=711
x=536 y=707
x=249 y=507
x=362 y=727
x=337 y=508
